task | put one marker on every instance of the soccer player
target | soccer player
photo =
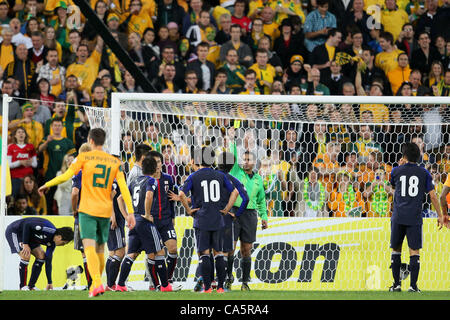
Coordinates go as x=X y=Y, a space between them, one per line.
x=246 y=224
x=99 y=169
x=140 y=152
x=210 y=189
x=75 y=197
x=145 y=236
x=25 y=237
x=225 y=164
x=163 y=212
x=411 y=183
x=116 y=240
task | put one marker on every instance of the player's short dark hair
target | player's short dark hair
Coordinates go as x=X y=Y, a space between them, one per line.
x=156 y=154
x=206 y=156
x=225 y=161
x=66 y=233
x=98 y=135
x=411 y=152
x=149 y=165
x=141 y=149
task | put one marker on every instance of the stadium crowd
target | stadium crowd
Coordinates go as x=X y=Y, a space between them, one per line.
x=52 y=62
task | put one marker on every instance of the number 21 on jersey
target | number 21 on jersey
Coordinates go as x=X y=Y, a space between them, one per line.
x=409 y=187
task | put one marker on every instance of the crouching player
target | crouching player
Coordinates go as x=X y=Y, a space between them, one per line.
x=25 y=237
x=145 y=236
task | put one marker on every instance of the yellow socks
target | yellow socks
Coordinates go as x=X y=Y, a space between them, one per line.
x=94 y=265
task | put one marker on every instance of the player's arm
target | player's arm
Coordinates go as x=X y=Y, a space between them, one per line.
x=261 y=205
x=121 y=182
x=184 y=199
x=26 y=235
x=48 y=266
x=74 y=199
x=57 y=180
x=148 y=205
x=243 y=193
x=443 y=200
x=442 y=220
x=233 y=196
x=131 y=221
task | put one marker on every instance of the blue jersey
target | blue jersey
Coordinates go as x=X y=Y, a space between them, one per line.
x=411 y=182
x=138 y=189
x=163 y=210
x=210 y=189
x=242 y=192
x=120 y=220
x=35 y=232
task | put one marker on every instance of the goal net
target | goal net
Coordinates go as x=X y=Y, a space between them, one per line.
x=325 y=162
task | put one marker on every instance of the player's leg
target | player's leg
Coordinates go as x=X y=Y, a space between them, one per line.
x=78 y=245
x=90 y=233
x=203 y=242
x=127 y=264
x=36 y=269
x=249 y=224
x=219 y=261
x=116 y=246
x=229 y=244
x=14 y=245
x=169 y=238
x=398 y=233
x=414 y=236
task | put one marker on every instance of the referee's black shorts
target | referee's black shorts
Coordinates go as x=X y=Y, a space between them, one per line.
x=245 y=225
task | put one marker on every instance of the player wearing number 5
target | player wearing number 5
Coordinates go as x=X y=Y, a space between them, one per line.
x=99 y=169
x=411 y=183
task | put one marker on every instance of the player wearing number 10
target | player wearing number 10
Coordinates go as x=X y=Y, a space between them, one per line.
x=99 y=169
x=210 y=190
x=411 y=183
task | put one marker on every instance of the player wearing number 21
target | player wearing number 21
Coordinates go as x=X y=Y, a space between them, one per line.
x=210 y=190
x=411 y=183
x=99 y=169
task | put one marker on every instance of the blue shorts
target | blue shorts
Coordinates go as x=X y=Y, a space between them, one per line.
x=413 y=235
x=207 y=239
x=167 y=231
x=144 y=237
x=228 y=234
x=116 y=239
x=15 y=240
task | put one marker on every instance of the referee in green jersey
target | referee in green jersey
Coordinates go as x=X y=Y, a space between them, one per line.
x=245 y=225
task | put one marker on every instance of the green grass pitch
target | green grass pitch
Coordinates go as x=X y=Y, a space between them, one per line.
x=233 y=295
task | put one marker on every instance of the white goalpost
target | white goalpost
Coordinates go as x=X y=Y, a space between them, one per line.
x=301 y=238
x=325 y=162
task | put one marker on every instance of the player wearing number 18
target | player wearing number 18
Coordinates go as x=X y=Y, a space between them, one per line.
x=99 y=169
x=411 y=183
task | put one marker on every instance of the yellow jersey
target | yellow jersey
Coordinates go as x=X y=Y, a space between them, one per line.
x=99 y=169
x=87 y=72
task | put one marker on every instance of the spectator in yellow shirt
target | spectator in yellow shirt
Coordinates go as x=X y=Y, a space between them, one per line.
x=387 y=59
x=393 y=18
x=265 y=72
x=86 y=66
x=400 y=74
x=137 y=19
